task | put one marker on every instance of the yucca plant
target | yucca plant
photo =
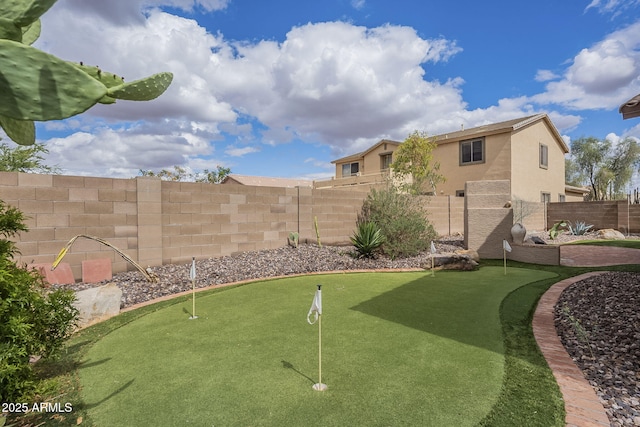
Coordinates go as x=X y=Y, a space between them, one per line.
x=367 y=239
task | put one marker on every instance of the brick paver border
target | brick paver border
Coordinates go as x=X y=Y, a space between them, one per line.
x=582 y=405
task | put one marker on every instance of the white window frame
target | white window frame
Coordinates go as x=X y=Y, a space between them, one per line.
x=351 y=167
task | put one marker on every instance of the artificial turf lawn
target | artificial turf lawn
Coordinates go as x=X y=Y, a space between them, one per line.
x=398 y=349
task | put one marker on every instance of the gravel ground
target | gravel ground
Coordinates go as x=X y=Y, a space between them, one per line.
x=597 y=319
x=598 y=322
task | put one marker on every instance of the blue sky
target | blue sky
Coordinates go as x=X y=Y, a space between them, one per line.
x=282 y=87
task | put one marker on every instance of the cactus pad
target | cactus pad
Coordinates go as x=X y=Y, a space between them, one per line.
x=9 y=30
x=39 y=86
x=24 y=12
x=144 y=89
x=31 y=33
x=21 y=132
x=106 y=78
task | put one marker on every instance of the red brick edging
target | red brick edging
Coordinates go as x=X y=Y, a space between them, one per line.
x=582 y=405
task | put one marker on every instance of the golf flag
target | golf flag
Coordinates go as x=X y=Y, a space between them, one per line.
x=316 y=307
x=433 y=248
x=506 y=247
x=192 y=276
x=192 y=273
x=316 y=310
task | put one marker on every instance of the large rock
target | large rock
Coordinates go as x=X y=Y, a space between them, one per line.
x=610 y=234
x=98 y=304
x=452 y=261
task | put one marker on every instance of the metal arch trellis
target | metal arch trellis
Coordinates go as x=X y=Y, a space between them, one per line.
x=150 y=276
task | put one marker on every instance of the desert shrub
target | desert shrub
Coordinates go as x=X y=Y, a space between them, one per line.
x=367 y=239
x=401 y=219
x=32 y=320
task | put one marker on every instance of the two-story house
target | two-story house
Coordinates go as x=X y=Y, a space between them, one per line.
x=528 y=151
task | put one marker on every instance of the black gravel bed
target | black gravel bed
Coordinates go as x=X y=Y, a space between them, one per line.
x=598 y=321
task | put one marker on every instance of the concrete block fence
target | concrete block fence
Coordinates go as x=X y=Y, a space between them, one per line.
x=159 y=222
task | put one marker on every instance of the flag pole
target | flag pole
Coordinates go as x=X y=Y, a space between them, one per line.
x=504 y=255
x=192 y=275
x=319 y=386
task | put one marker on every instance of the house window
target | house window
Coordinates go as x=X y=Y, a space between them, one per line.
x=472 y=151
x=385 y=161
x=350 y=169
x=562 y=198
x=544 y=156
x=459 y=193
x=545 y=197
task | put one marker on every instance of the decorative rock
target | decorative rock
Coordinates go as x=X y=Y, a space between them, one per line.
x=470 y=253
x=98 y=304
x=452 y=261
x=537 y=240
x=610 y=234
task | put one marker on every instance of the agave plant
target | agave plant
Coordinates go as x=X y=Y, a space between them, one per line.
x=580 y=228
x=367 y=239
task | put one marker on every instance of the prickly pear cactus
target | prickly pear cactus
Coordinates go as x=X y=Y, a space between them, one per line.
x=38 y=86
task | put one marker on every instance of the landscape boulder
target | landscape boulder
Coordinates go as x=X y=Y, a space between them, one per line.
x=98 y=304
x=610 y=234
x=452 y=261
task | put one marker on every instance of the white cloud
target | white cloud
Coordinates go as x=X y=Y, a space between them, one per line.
x=545 y=75
x=358 y=4
x=332 y=83
x=239 y=152
x=600 y=76
x=614 y=7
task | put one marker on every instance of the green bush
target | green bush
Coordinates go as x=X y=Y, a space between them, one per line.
x=401 y=219
x=367 y=239
x=32 y=320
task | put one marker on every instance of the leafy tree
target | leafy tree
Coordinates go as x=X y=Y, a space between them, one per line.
x=414 y=159
x=33 y=321
x=25 y=159
x=180 y=174
x=213 y=177
x=606 y=168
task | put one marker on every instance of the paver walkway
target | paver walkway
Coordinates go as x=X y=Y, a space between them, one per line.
x=597 y=256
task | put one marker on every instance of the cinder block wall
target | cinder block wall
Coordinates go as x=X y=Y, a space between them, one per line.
x=60 y=207
x=487 y=221
x=616 y=214
x=158 y=222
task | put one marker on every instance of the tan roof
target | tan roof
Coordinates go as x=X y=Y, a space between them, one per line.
x=574 y=189
x=361 y=154
x=501 y=127
x=484 y=130
x=631 y=108
x=266 y=181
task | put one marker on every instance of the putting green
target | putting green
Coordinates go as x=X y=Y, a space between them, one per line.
x=397 y=349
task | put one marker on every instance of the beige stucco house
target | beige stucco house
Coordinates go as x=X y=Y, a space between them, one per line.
x=528 y=151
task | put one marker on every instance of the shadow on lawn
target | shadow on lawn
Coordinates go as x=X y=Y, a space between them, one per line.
x=470 y=314
x=114 y=393
x=288 y=365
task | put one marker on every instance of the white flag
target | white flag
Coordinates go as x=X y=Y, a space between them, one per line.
x=192 y=273
x=506 y=246
x=316 y=307
x=433 y=248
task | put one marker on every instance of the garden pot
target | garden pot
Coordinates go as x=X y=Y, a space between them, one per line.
x=518 y=232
